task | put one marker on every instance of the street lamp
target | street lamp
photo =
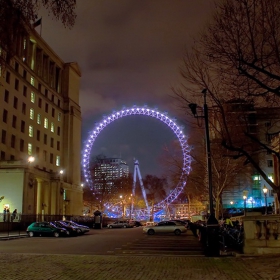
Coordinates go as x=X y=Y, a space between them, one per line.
x=212 y=219
x=265 y=190
x=31 y=159
x=231 y=203
x=212 y=225
x=245 y=193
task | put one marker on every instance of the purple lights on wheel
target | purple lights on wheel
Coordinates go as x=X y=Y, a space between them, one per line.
x=146 y=112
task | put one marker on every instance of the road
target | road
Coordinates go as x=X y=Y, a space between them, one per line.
x=106 y=242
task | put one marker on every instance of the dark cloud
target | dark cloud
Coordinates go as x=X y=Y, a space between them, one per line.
x=129 y=52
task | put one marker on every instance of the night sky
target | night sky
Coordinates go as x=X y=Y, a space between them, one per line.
x=129 y=52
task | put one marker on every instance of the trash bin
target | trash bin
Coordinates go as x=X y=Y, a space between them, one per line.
x=97 y=220
x=211 y=242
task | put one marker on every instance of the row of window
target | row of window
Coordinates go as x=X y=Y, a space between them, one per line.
x=31 y=132
x=32 y=99
x=22 y=126
x=51 y=157
x=32 y=82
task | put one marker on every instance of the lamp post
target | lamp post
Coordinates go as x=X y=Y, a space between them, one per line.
x=212 y=219
x=265 y=197
x=210 y=237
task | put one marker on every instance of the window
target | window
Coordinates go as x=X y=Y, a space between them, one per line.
x=37 y=151
x=52 y=98
x=24 y=91
x=45 y=154
x=38 y=135
x=59 y=117
x=24 y=74
x=51 y=158
x=16 y=84
x=6 y=97
x=46 y=123
x=29 y=149
x=8 y=77
x=3 y=139
x=21 y=145
x=32 y=81
x=267 y=124
x=39 y=87
x=22 y=126
x=46 y=107
x=53 y=112
x=30 y=131
x=12 y=157
x=16 y=66
x=5 y=116
x=58 y=145
x=45 y=139
x=15 y=102
x=269 y=163
x=14 y=123
x=40 y=103
x=31 y=114
x=46 y=93
x=3 y=155
x=52 y=127
x=52 y=142
x=58 y=131
x=57 y=161
x=13 y=141
x=38 y=119
x=23 y=110
x=268 y=137
x=32 y=98
x=58 y=103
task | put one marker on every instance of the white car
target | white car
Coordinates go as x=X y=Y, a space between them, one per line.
x=120 y=224
x=165 y=227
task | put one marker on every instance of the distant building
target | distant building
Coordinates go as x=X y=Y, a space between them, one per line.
x=40 y=116
x=261 y=123
x=106 y=170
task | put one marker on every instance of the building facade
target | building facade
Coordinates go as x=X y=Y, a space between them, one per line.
x=40 y=120
x=107 y=170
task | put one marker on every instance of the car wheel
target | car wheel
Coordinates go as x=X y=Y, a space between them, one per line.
x=151 y=232
x=30 y=233
x=79 y=231
x=110 y=227
x=56 y=234
x=177 y=232
x=124 y=226
x=67 y=233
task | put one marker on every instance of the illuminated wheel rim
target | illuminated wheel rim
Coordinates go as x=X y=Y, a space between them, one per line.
x=150 y=113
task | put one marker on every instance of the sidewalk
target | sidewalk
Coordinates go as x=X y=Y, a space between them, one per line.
x=103 y=267
x=4 y=235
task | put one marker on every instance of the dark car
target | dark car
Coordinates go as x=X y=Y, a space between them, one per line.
x=136 y=224
x=45 y=229
x=73 y=231
x=81 y=229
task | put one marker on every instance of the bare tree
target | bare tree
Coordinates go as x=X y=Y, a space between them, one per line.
x=237 y=58
x=18 y=15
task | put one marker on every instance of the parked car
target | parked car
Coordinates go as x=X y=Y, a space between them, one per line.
x=136 y=224
x=81 y=229
x=45 y=229
x=120 y=224
x=165 y=227
x=73 y=231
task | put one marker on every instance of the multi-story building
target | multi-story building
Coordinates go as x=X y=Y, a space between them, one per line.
x=40 y=119
x=106 y=170
x=261 y=123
